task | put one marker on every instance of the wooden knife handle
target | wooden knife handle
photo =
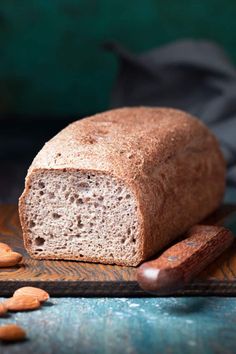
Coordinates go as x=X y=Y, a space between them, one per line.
x=182 y=262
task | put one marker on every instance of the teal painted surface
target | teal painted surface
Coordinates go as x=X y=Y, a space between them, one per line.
x=153 y=325
x=51 y=60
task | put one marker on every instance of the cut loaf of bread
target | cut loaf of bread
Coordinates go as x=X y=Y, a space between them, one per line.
x=117 y=187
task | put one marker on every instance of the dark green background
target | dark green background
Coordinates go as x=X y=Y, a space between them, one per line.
x=51 y=59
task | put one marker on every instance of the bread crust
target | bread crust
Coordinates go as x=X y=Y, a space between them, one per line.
x=170 y=160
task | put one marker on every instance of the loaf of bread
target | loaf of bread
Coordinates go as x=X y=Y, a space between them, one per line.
x=117 y=187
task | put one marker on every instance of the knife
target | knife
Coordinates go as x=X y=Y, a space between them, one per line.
x=180 y=263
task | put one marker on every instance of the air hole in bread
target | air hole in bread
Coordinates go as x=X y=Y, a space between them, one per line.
x=41 y=184
x=83 y=185
x=79 y=222
x=72 y=199
x=39 y=241
x=79 y=201
x=32 y=223
x=56 y=216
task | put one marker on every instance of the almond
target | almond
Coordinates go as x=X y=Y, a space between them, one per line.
x=12 y=333
x=3 y=310
x=9 y=259
x=37 y=293
x=4 y=247
x=22 y=303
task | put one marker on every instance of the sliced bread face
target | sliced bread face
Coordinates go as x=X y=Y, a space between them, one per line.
x=79 y=215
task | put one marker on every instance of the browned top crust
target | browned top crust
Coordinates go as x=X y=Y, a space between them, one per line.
x=141 y=137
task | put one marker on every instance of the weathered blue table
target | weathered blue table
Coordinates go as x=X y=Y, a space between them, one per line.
x=135 y=325
x=144 y=325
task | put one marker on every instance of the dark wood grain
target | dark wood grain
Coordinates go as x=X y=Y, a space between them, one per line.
x=64 y=278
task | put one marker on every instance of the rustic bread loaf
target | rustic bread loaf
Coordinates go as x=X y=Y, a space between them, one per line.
x=117 y=187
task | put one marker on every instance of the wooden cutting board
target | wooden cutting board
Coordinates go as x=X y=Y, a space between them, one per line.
x=66 y=278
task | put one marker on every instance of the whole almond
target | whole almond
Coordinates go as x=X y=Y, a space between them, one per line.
x=3 y=310
x=22 y=303
x=9 y=259
x=12 y=333
x=4 y=247
x=40 y=294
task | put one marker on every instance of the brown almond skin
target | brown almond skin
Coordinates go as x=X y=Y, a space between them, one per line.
x=12 y=333
x=22 y=303
x=9 y=259
x=5 y=248
x=3 y=310
x=40 y=294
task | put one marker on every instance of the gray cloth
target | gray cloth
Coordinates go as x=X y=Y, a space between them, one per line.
x=195 y=76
